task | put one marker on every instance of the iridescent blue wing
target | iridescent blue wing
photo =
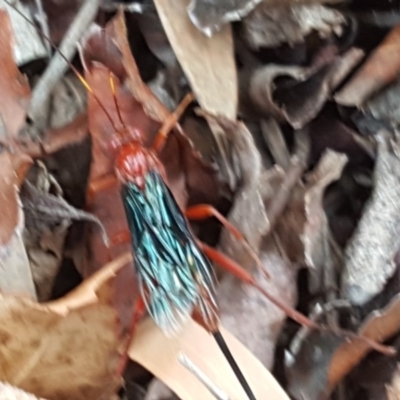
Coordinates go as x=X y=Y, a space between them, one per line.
x=174 y=276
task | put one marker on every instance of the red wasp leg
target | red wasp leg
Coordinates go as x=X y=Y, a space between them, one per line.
x=203 y=211
x=121 y=238
x=235 y=269
x=232 y=267
x=98 y=185
x=138 y=310
x=170 y=122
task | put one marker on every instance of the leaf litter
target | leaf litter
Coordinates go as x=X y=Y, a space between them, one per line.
x=295 y=143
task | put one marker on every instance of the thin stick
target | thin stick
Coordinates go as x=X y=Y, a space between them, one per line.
x=43 y=24
x=218 y=393
x=58 y=65
x=60 y=57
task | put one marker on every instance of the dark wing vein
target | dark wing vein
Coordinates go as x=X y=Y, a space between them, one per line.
x=172 y=271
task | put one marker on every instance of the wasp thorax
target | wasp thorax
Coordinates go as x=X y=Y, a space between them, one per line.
x=133 y=162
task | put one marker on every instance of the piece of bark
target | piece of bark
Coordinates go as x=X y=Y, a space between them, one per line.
x=211 y=15
x=271 y=27
x=369 y=256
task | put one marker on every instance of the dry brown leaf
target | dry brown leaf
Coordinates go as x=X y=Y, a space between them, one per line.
x=47 y=219
x=303 y=227
x=323 y=360
x=159 y=354
x=65 y=349
x=153 y=108
x=207 y=62
x=300 y=100
x=381 y=68
x=14 y=87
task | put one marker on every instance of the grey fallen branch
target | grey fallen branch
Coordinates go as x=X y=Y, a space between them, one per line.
x=369 y=256
x=43 y=210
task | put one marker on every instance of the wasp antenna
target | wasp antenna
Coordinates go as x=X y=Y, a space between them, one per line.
x=229 y=357
x=81 y=78
x=114 y=94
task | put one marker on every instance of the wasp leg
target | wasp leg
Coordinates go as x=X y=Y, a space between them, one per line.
x=98 y=185
x=121 y=238
x=235 y=269
x=170 y=122
x=203 y=211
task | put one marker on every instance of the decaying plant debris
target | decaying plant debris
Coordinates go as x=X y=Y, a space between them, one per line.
x=293 y=137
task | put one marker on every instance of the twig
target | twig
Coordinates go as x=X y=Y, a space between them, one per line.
x=58 y=65
x=43 y=24
x=191 y=367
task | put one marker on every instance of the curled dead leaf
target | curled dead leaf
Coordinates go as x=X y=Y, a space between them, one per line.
x=302 y=97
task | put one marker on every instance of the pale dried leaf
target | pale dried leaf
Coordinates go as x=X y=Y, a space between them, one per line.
x=66 y=349
x=159 y=354
x=207 y=62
